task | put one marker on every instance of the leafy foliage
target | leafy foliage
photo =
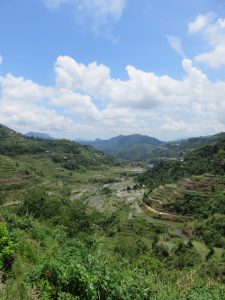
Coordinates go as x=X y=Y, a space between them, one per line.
x=207 y=159
x=7 y=248
x=70 y=154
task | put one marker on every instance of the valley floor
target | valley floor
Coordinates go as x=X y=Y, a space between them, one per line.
x=86 y=234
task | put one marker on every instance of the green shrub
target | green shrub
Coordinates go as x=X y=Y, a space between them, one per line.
x=7 y=248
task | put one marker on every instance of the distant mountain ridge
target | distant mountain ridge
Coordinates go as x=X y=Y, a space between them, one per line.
x=125 y=141
x=126 y=147
x=139 y=147
x=39 y=135
x=135 y=147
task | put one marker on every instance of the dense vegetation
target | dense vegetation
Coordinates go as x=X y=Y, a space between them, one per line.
x=149 y=150
x=195 y=189
x=67 y=261
x=206 y=159
x=80 y=232
x=70 y=154
x=134 y=147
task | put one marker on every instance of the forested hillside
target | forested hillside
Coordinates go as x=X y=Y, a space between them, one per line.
x=149 y=150
x=69 y=154
x=75 y=224
x=206 y=159
x=193 y=190
x=131 y=147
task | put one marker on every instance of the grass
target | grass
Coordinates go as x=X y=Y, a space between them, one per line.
x=218 y=252
x=201 y=248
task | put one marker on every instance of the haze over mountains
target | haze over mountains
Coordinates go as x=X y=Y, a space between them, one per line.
x=39 y=135
x=138 y=147
x=116 y=145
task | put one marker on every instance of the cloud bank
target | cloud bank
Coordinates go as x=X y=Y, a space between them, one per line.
x=87 y=102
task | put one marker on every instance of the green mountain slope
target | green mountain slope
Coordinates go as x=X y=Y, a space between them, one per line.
x=147 y=149
x=116 y=144
x=206 y=159
x=81 y=232
x=192 y=188
x=69 y=154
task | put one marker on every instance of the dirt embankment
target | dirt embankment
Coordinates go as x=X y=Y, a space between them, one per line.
x=164 y=215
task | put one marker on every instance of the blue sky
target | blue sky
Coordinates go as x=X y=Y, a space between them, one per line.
x=98 y=68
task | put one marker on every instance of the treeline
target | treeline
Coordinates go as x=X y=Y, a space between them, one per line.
x=207 y=205
x=207 y=159
x=69 y=154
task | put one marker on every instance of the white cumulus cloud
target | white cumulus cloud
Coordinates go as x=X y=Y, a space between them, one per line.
x=200 y=23
x=73 y=75
x=86 y=101
x=213 y=31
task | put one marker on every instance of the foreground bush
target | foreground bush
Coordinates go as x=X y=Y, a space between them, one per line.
x=7 y=248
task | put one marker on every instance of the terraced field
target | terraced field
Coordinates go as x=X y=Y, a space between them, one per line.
x=160 y=208
x=107 y=190
x=8 y=167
